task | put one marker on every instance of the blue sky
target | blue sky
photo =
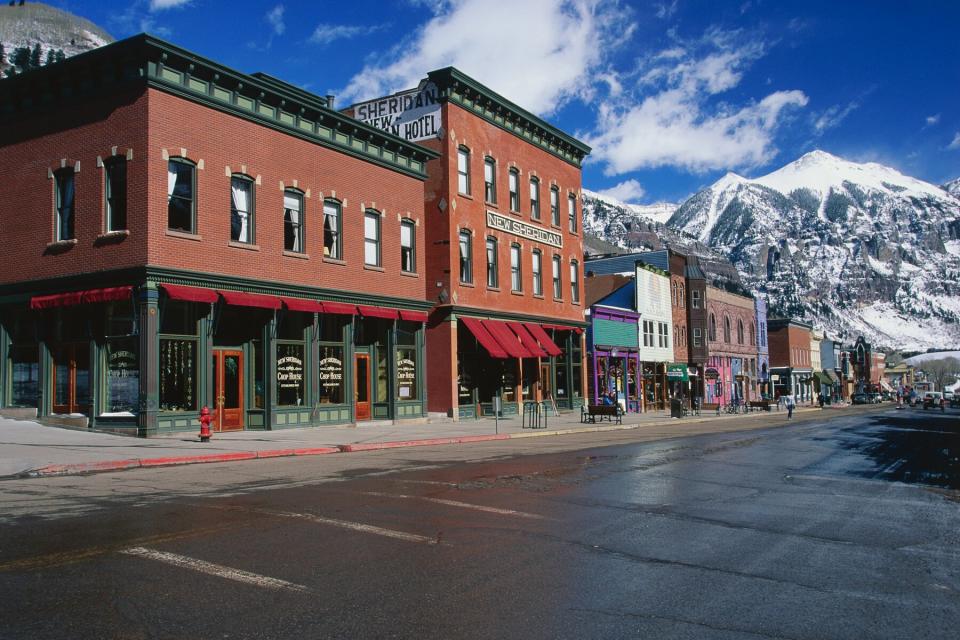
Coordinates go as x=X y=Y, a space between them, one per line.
x=671 y=94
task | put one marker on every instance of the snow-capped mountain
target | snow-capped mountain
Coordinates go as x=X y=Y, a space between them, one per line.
x=54 y=29
x=853 y=248
x=608 y=218
x=953 y=187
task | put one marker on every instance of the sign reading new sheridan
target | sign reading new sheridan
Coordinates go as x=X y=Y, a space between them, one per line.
x=412 y=115
x=524 y=230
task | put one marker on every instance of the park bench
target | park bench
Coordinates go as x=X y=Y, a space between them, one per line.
x=760 y=404
x=710 y=406
x=611 y=412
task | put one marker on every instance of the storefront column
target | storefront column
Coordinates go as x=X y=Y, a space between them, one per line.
x=270 y=372
x=148 y=321
x=4 y=359
x=313 y=357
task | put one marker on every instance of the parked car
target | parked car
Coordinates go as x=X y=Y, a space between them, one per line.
x=860 y=398
x=933 y=399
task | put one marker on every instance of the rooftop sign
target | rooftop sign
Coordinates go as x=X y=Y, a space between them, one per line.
x=412 y=115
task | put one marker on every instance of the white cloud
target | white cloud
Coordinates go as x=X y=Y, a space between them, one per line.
x=666 y=9
x=832 y=117
x=275 y=18
x=676 y=119
x=956 y=142
x=627 y=191
x=160 y=5
x=326 y=33
x=932 y=120
x=537 y=53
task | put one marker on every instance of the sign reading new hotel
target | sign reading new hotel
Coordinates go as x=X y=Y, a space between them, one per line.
x=413 y=115
x=524 y=230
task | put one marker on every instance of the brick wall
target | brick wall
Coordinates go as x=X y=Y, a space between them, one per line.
x=722 y=304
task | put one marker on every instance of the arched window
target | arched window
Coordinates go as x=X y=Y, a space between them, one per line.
x=753 y=334
x=713 y=327
x=682 y=297
x=726 y=329
x=739 y=331
x=673 y=295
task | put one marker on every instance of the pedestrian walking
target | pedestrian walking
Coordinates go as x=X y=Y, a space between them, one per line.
x=789 y=407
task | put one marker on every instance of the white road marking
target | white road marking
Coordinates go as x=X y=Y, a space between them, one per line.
x=220 y=571
x=435 y=482
x=356 y=526
x=456 y=503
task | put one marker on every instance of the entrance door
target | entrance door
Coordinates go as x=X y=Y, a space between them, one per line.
x=71 y=378
x=546 y=384
x=361 y=387
x=228 y=389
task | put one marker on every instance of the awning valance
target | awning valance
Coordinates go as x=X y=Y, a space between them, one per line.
x=339 y=308
x=90 y=296
x=483 y=337
x=548 y=345
x=243 y=299
x=562 y=327
x=378 y=312
x=190 y=294
x=302 y=304
x=527 y=340
x=413 y=316
x=507 y=339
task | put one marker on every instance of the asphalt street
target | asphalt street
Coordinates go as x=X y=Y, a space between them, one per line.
x=827 y=528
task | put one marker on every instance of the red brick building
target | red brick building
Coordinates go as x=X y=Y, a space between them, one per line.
x=505 y=262
x=180 y=234
x=791 y=369
x=732 y=344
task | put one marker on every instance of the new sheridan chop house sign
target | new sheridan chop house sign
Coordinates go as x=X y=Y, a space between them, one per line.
x=413 y=115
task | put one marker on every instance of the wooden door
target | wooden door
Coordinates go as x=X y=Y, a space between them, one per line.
x=228 y=385
x=71 y=378
x=546 y=384
x=361 y=387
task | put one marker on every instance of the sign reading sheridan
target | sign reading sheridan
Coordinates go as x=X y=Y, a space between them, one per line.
x=413 y=115
x=524 y=230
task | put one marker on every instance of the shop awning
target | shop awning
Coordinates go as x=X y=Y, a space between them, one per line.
x=190 y=294
x=527 y=340
x=339 y=308
x=562 y=327
x=678 y=373
x=507 y=339
x=243 y=299
x=832 y=375
x=302 y=304
x=89 y=296
x=483 y=337
x=378 y=312
x=548 y=345
x=413 y=316
x=824 y=378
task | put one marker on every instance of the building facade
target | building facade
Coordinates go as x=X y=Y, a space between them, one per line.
x=763 y=350
x=656 y=347
x=790 y=368
x=613 y=358
x=504 y=269
x=732 y=343
x=181 y=235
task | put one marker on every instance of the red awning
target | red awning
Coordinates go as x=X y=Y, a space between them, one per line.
x=339 y=308
x=562 y=327
x=507 y=339
x=302 y=304
x=527 y=340
x=548 y=345
x=242 y=299
x=483 y=337
x=90 y=296
x=413 y=316
x=190 y=294
x=378 y=312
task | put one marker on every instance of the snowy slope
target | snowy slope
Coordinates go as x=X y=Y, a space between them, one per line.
x=53 y=28
x=854 y=248
x=953 y=187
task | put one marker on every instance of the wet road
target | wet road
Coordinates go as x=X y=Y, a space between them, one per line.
x=847 y=528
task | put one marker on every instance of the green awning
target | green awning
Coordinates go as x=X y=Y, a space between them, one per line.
x=678 y=373
x=824 y=378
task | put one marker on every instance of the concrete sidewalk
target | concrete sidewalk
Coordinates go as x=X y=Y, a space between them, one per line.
x=29 y=449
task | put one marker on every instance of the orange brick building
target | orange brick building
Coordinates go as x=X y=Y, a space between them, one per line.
x=505 y=247
x=180 y=234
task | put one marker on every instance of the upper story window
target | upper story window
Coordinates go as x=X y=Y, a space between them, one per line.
x=332 y=223
x=557 y=283
x=713 y=327
x=695 y=298
x=663 y=335
x=65 y=186
x=683 y=296
x=537 y=272
x=696 y=336
x=115 y=192
x=466 y=257
x=673 y=293
x=181 y=195
x=293 y=221
x=514 y=185
x=726 y=329
x=535 y=198
x=493 y=277
x=408 y=257
x=574 y=281
x=490 y=180
x=555 y=206
x=463 y=170
x=739 y=331
x=572 y=212
x=516 y=274
x=241 y=209
x=371 y=238
x=648 y=333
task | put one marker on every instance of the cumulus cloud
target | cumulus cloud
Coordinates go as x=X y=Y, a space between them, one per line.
x=956 y=142
x=275 y=19
x=160 y=5
x=325 y=33
x=675 y=117
x=537 y=53
x=627 y=191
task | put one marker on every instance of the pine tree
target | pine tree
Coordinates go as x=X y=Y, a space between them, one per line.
x=21 y=58
x=51 y=57
x=61 y=56
x=35 y=56
x=3 y=55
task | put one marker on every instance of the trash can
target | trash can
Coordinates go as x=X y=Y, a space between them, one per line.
x=676 y=408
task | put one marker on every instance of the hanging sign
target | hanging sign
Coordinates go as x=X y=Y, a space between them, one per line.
x=412 y=115
x=677 y=373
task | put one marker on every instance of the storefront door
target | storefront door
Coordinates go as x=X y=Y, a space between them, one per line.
x=228 y=389
x=361 y=387
x=546 y=384
x=71 y=378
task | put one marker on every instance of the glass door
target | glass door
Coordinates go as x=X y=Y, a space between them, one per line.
x=71 y=379
x=228 y=389
x=361 y=388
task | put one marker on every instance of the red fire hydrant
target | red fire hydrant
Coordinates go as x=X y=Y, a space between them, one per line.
x=205 y=418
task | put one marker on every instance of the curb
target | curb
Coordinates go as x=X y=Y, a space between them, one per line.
x=87 y=468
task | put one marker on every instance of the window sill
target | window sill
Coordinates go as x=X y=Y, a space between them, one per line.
x=296 y=254
x=538 y=297
x=373 y=267
x=558 y=299
x=516 y=213
x=464 y=195
x=493 y=205
x=339 y=261
x=516 y=293
x=62 y=244
x=410 y=274
x=468 y=285
x=116 y=233
x=183 y=235
x=243 y=245
x=495 y=289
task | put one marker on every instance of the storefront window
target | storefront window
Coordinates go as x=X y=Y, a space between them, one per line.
x=576 y=356
x=406 y=373
x=331 y=375
x=123 y=377
x=508 y=383
x=290 y=375
x=25 y=376
x=259 y=386
x=178 y=375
